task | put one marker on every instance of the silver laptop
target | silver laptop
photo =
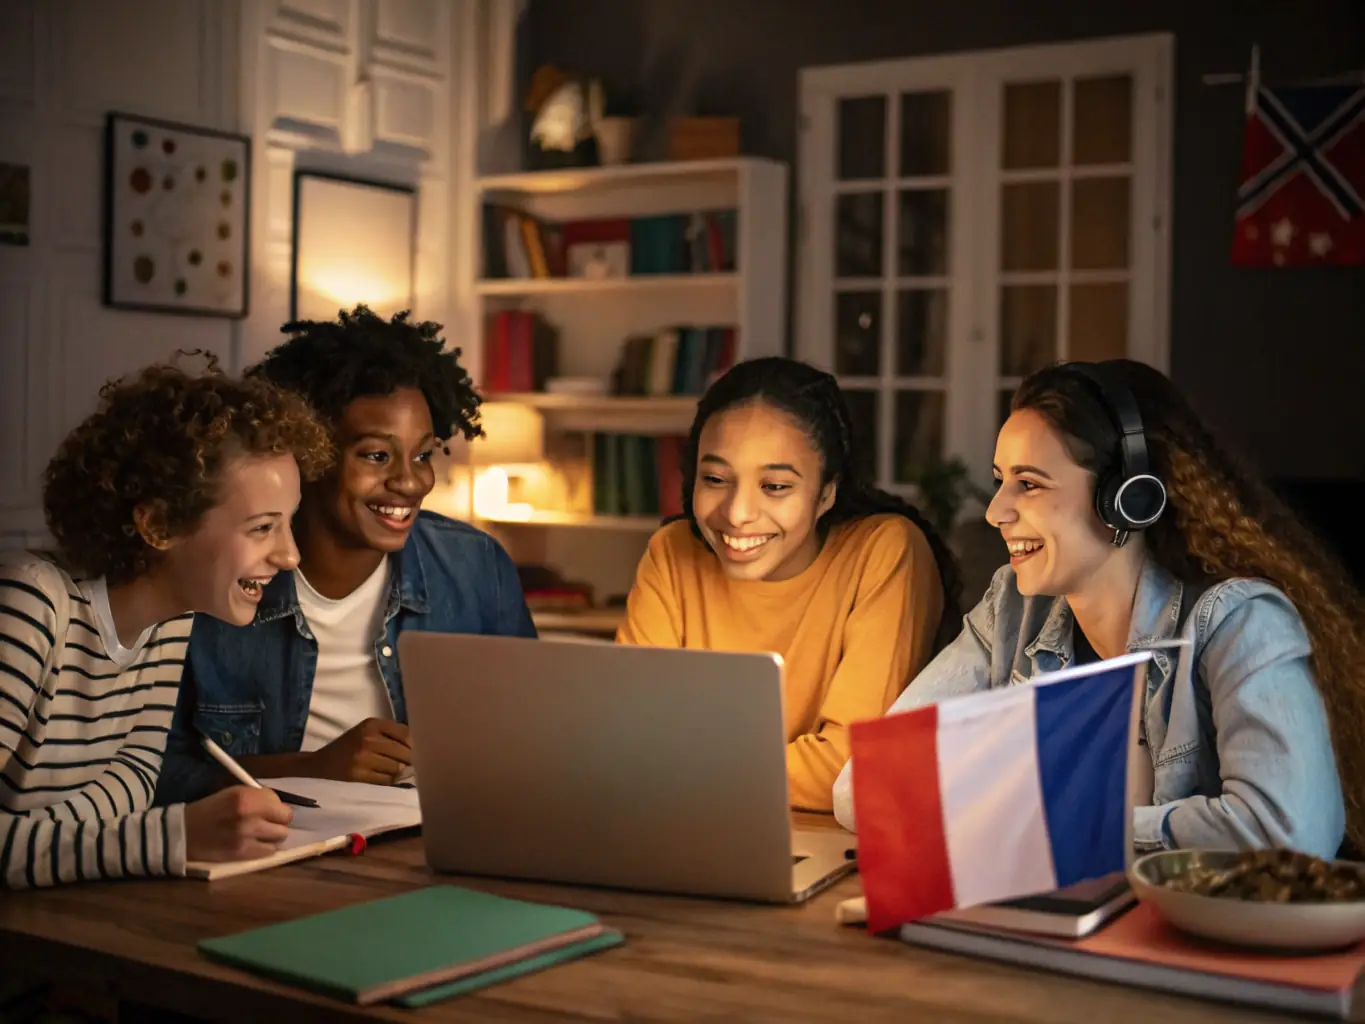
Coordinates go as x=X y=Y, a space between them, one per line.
x=596 y=764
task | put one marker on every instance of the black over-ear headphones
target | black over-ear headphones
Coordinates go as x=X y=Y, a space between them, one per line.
x=1128 y=497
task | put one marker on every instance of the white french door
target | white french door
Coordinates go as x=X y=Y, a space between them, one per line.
x=966 y=219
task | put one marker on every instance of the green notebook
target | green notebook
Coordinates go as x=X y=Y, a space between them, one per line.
x=564 y=954
x=437 y=936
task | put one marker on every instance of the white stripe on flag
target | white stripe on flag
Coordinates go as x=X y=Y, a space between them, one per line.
x=992 y=799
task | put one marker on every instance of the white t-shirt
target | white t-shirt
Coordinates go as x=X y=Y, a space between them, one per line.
x=347 y=686
x=104 y=621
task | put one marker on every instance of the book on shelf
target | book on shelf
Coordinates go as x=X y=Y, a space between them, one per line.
x=680 y=360
x=547 y=590
x=517 y=245
x=634 y=475
x=521 y=351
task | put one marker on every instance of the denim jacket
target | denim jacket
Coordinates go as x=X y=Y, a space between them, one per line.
x=248 y=688
x=1232 y=719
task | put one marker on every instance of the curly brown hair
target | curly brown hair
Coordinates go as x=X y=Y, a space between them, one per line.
x=159 y=440
x=1222 y=522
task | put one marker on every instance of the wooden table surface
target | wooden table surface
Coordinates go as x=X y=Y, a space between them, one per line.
x=684 y=959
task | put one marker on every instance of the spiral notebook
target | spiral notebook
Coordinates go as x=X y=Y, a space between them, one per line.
x=345 y=810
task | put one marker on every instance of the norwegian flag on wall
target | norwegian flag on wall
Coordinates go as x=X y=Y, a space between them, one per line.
x=1302 y=198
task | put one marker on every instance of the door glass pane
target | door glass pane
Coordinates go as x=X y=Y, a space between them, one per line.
x=862 y=138
x=1103 y=120
x=921 y=332
x=857 y=334
x=1031 y=126
x=1029 y=214
x=1028 y=328
x=862 y=410
x=923 y=230
x=925 y=139
x=919 y=433
x=1099 y=223
x=1099 y=321
x=858 y=235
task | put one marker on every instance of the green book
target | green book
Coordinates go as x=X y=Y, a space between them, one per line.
x=376 y=951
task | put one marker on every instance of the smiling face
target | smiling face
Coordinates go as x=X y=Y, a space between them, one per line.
x=370 y=498
x=222 y=567
x=1045 y=510
x=758 y=495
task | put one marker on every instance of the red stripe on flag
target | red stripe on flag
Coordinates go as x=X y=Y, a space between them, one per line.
x=902 y=847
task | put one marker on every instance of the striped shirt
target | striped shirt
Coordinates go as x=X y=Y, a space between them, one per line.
x=83 y=742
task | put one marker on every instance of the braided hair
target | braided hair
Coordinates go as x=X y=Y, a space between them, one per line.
x=812 y=398
x=360 y=354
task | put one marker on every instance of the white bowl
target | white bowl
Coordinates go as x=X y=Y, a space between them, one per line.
x=1292 y=927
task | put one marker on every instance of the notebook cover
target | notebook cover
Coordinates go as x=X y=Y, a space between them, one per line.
x=374 y=951
x=427 y=996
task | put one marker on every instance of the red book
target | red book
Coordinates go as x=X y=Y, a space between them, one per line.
x=668 y=453
x=497 y=353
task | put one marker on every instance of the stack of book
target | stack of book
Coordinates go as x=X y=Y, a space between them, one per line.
x=521 y=352
x=675 y=361
x=417 y=948
x=637 y=476
x=517 y=245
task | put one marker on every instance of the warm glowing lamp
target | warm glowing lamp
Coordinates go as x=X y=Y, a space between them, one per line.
x=513 y=446
x=354 y=241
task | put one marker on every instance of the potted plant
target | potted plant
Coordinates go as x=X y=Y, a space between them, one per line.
x=944 y=486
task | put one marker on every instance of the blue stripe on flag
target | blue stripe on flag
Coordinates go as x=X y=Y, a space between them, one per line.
x=1083 y=764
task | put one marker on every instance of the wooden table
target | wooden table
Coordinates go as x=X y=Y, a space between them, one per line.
x=684 y=959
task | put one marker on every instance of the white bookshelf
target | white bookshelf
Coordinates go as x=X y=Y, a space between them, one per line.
x=594 y=318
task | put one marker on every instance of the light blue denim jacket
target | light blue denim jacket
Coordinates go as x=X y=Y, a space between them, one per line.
x=1240 y=748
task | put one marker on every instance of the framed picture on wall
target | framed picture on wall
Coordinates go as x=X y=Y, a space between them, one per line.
x=355 y=241
x=177 y=203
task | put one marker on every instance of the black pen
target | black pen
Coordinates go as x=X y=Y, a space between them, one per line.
x=244 y=777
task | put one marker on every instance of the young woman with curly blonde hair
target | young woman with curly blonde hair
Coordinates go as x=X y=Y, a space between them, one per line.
x=173 y=497
x=1128 y=526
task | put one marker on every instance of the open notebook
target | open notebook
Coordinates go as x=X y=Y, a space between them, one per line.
x=344 y=809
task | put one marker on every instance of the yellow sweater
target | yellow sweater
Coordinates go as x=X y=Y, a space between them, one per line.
x=853 y=629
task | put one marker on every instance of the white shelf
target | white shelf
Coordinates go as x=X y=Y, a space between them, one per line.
x=594 y=620
x=594 y=319
x=607 y=414
x=492 y=287
x=648 y=175
x=583 y=520
x=643 y=404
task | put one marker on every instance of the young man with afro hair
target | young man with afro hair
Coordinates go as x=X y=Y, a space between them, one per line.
x=312 y=687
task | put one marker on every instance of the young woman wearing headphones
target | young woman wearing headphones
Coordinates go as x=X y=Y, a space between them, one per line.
x=1123 y=539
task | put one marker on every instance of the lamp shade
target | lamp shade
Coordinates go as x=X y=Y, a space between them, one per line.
x=513 y=435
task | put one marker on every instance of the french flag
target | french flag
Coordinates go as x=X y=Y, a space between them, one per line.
x=995 y=795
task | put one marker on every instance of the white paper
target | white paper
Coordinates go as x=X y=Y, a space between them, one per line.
x=344 y=808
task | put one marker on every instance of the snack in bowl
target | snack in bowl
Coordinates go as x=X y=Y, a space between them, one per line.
x=1274 y=876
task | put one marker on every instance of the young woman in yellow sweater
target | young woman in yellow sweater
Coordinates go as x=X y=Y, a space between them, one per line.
x=784 y=548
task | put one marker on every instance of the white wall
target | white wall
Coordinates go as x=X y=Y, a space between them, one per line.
x=63 y=65
x=387 y=89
